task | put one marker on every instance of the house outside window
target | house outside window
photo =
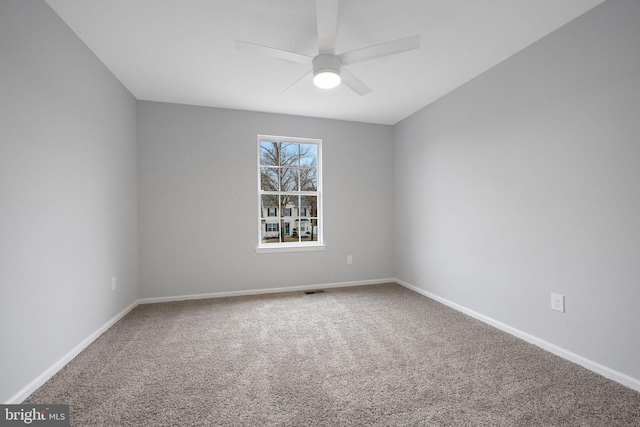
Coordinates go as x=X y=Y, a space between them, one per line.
x=289 y=194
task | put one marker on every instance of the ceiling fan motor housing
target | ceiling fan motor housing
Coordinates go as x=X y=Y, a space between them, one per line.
x=326 y=63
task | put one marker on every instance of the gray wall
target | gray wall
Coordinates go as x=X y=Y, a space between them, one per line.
x=198 y=201
x=68 y=209
x=526 y=181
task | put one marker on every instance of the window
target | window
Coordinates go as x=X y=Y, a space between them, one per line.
x=289 y=184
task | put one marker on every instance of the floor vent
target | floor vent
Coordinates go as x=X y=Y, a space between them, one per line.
x=314 y=291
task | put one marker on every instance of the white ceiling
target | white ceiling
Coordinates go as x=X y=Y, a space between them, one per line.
x=182 y=51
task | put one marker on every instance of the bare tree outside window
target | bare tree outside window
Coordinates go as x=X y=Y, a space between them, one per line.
x=289 y=185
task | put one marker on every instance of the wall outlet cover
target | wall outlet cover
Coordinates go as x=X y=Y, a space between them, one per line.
x=557 y=302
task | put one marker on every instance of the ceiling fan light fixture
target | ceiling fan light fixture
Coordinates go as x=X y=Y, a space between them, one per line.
x=326 y=79
x=326 y=71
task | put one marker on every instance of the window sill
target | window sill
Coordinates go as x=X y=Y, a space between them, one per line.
x=282 y=248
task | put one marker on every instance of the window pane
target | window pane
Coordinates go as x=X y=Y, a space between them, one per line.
x=309 y=206
x=312 y=231
x=270 y=231
x=269 y=152
x=296 y=233
x=269 y=179
x=288 y=201
x=295 y=204
x=282 y=230
x=291 y=230
x=309 y=155
x=268 y=203
x=289 y=154
x=289 y=179
x=303 y=228
x=308 y=179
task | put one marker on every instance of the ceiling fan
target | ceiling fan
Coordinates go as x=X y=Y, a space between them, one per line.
x=327 y=67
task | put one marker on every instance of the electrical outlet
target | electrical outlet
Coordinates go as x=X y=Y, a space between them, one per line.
x=557 y=302
x=349 y=259
x=114 y=283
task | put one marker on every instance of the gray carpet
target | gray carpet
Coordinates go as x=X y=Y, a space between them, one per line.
x=373 y=356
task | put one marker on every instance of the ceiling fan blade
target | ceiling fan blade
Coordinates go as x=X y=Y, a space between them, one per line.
x=327 y=17
x=273 y=52
x=354 y=83
x=304 y=76
x=384 y=49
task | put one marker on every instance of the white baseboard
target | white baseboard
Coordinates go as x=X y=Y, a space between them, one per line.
x=53 y=369
x=605 y=371
x=264 y=291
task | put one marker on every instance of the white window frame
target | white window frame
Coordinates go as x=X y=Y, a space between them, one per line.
x=291 y=246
